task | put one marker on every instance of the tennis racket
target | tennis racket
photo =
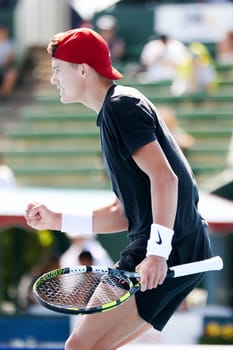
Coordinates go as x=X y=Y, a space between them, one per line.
x=92 y=289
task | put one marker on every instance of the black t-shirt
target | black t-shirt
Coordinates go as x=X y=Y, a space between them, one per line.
x=127 y=121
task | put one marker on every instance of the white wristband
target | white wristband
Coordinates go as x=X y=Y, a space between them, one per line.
x=75 y=225
x=160 y=240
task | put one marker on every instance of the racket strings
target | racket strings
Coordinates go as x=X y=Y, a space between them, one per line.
x=83 y=290
x=69 y=290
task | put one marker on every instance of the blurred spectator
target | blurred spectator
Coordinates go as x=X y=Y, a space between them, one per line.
x=26 y=300
x=83 y=243
x=190 y=69
x=8 y=71
x=85 y=258
x=162 y=57
x=7 y=177
x=107 y=27
x=205 y=75
x=225 y=49
x=198 y=75
x=184 y=140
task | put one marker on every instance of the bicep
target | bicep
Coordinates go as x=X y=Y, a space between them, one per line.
x=163 y=182
x=151 y=159
x=110 y=218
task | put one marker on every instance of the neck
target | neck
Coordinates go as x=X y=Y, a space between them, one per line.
x=97 y=93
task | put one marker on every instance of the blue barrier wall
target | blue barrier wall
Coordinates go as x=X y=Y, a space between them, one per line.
x=38 y=328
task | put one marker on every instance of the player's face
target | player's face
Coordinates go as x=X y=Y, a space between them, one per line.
x=67 y=78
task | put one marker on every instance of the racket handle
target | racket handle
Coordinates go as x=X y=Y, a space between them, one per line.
x=214 y=263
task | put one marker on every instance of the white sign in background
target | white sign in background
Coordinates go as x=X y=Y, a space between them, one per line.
x=194 y=22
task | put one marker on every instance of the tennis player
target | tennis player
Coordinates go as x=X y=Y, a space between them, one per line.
x=156 y=194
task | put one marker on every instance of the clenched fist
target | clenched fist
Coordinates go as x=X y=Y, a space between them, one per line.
x=39 y=217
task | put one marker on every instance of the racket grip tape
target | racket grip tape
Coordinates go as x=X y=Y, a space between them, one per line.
x=214 y=263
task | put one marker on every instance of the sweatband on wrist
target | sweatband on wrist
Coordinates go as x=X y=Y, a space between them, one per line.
x=160 y=240
x=77 y=224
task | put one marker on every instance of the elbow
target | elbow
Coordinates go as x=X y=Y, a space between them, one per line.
x=166 y=180
x=118 y=212
x=172 y=180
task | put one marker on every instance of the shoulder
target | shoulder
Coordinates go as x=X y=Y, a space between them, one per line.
x=130 y=100
x=124 y=96
x=125 y=105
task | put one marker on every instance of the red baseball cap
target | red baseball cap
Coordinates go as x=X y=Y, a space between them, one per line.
x=84 y=45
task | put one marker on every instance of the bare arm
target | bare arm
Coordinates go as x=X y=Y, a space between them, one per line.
x=105 y=220
x=151 y=159
x=110 y=218
x=164 y=188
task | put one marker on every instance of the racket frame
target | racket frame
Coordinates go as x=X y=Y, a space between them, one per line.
x=214 y=263
x=133 y=288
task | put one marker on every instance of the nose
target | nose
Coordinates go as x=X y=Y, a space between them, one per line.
x=53 y=80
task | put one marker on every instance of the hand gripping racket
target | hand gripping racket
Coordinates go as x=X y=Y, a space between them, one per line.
x=92 y=289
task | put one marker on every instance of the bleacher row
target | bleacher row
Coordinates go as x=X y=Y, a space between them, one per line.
x=58 y=145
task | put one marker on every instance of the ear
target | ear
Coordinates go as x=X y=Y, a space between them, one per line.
x=84 y=70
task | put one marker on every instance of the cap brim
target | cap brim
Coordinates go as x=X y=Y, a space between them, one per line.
x=109 y=72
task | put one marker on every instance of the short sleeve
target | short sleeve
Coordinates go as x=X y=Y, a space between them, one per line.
x=132 y=122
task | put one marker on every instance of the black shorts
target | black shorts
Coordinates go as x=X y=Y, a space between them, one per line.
x=156 y=306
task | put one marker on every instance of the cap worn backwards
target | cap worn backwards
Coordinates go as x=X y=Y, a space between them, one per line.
x=84 y=45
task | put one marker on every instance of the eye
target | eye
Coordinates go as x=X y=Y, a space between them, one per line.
x=56 y=69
